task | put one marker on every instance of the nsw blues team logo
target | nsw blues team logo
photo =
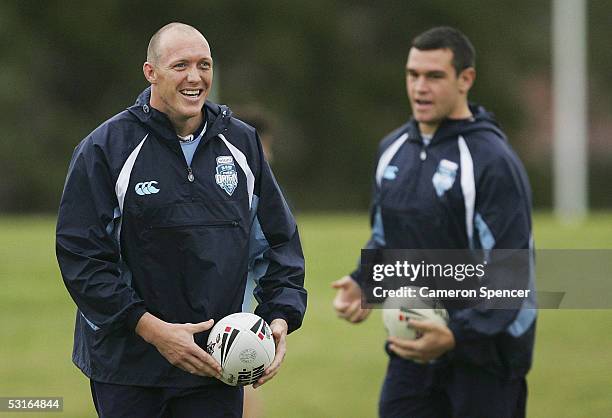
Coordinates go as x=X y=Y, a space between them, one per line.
x=226 y=177
x=444 y=177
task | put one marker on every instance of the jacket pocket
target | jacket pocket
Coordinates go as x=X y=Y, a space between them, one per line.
x=196 y=224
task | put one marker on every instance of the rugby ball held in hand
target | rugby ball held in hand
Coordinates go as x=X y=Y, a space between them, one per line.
x=243 y=345
x=398 y=311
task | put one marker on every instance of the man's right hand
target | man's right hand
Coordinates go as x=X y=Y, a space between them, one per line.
x=347 y=302
x=175 y=342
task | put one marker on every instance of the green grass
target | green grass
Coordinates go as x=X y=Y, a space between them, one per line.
x=332 y=369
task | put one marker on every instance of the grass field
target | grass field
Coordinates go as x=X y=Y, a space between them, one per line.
x=333 y=369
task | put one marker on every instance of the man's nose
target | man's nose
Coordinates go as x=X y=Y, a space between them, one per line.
x=192 y=74
x=420 y=84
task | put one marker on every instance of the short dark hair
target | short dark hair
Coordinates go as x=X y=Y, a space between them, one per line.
x=445 y=37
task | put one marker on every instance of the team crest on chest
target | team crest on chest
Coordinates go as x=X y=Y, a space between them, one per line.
x=444 y=177
x=226 y=176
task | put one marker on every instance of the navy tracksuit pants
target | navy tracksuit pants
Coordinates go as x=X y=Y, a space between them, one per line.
x=449 y=390
x=120 y=401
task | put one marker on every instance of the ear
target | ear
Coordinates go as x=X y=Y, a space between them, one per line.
x=466 y=79
x=149 y=72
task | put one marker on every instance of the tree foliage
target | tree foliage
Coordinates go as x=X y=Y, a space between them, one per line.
x=331 y=71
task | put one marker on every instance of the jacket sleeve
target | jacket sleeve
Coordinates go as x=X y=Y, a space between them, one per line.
x=87 y=248
x=277 y=261
x=502 y=220
x=376 y=240
x=377 y=234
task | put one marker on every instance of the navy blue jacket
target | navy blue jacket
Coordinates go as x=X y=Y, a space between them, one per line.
x=141 y=231
x=466 y=189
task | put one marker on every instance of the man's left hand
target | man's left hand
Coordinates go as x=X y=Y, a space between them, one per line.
x=436 y=340
x=279 y=332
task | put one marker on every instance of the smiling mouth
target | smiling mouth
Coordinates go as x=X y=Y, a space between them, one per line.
x=423 y=102
x=191 y=93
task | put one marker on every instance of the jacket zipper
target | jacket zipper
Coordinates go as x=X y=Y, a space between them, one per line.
x=218 y=224
x=422 y=158
x=190 y=175
x=423 y=154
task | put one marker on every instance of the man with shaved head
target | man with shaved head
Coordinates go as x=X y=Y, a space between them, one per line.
x=166 y=208
x=168 y=54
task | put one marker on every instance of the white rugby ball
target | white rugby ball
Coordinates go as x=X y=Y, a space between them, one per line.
x=398 y=311
x=243 y=345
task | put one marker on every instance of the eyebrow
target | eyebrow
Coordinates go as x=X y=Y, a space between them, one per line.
x=428 y=73
x=179 y=60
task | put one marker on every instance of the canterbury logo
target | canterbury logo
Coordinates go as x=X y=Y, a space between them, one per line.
x=148 y=187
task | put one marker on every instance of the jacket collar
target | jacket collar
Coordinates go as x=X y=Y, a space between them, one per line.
x=217 y=118
x=481 y=120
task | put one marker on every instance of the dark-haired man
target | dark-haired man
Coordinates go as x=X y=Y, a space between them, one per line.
x=448 y=179
x=162 y=206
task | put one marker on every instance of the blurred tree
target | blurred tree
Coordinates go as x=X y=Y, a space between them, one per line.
x=333 y=71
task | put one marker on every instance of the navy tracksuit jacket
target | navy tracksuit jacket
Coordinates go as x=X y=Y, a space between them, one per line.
x=466 y=189
x=140 y=230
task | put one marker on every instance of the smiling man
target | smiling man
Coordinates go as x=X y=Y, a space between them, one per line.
x=180 y=69
x=165 y=208
x=448 y=179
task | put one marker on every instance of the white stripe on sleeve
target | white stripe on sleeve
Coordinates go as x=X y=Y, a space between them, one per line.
x=123 y=180
x=387 y=156
x=468 y=187
x=242 y=162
